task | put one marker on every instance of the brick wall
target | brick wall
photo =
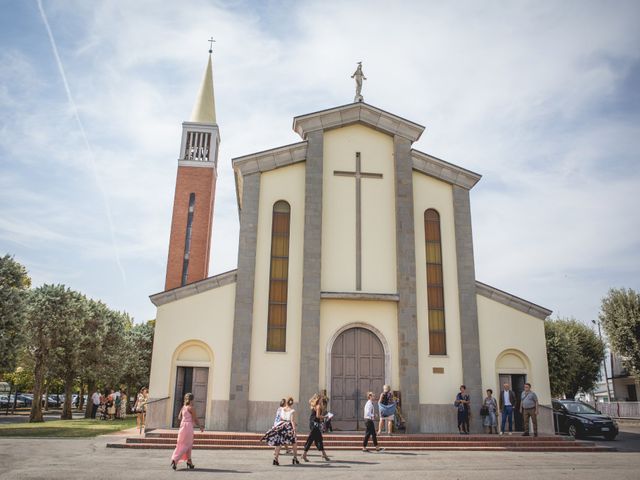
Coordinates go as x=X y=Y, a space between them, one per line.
x=202 y=182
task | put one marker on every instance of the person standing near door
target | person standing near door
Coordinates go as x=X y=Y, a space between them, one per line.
x=387 y=408
x=369 y=416
x=507 y=402
x=529 y=410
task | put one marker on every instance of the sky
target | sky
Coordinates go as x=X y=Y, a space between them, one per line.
x=540 y=97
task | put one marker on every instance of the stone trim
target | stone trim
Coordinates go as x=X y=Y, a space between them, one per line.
x=448 y=172
x=311 y=270
x=408 y=357
x=383 y=297
x=469 y=330
x=358 y=112
x=209 y=283
x=512 y=301
x=270 y=159
x=192 y=163
x=243 y=316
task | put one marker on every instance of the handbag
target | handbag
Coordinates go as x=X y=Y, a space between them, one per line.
x=484 y=411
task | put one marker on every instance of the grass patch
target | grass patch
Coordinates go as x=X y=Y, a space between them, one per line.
x=66 y=428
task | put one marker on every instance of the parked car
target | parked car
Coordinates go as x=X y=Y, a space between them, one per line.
x=26 y=399
x=4 y=399
x=580 y=419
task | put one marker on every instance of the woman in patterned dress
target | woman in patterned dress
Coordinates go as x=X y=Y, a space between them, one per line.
x=283 y=433
x=123 y=404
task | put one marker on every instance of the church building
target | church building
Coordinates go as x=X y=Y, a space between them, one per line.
x=355 y=269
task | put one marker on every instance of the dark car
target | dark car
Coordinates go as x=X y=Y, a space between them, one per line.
x=580 y=419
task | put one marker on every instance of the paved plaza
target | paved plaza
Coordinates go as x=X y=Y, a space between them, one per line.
x=72 y=459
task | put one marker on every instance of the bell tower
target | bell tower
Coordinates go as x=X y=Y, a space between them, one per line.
x=191 y=223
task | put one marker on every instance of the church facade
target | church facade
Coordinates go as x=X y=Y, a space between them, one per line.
x=355 y=269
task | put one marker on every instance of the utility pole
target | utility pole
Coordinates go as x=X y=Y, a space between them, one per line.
x=604 y=362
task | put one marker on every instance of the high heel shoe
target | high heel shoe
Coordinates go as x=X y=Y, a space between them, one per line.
x=304 y=457
x=173 y=464
x=190 y=466
x=295 y=461
x=275 y=461
x=326 y=458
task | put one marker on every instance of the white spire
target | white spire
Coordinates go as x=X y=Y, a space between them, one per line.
x=204 y=110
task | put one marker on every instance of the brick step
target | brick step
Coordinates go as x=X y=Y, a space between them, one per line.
x=358 y=442
x=348 y=437
x=527 y=448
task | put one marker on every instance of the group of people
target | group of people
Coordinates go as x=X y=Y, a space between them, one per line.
x=111 y=404
x=528 y=407
x=283 y=433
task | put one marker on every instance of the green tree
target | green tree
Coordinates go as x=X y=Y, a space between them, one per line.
x=14 y=284
x=620 y=318
x=574 y=354
x=139 y=345
x=66 y=341
x=49 y=306
x=92 y=344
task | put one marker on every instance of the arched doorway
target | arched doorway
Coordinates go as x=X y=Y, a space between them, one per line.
x=357 y=367
x=192 y=367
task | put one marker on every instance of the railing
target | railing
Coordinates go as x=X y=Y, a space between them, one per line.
x=618 y=409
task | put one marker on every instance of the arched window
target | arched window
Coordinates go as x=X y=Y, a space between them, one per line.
x=435 y=288
x=278 y=278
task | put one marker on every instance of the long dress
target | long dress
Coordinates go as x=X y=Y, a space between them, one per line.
x=282 y=433
x=123 y=406
x=185 y=437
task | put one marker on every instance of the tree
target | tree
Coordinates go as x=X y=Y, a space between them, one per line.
x=139 y=341
x=14 y=284
x=574 y=354
x=66 y=340
x=620 y=318
x=92 y=343
x=49 y=306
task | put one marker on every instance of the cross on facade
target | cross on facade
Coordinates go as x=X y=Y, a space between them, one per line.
x=358 y=175
x=211 y=40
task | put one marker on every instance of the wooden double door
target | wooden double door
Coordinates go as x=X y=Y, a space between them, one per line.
x=357 y=367
x=191 y=380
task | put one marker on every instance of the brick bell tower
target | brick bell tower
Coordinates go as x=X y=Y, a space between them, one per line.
x=190 y=240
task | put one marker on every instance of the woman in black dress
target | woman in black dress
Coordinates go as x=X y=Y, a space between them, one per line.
x=315 y=425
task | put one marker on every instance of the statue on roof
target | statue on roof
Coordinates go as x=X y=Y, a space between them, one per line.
x=359 y=76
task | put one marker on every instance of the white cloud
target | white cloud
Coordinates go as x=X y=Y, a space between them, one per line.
x=511 y=90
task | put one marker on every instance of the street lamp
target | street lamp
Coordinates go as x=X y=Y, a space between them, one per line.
x=604 y=363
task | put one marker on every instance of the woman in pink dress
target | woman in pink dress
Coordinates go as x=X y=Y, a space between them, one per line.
x=188 y=418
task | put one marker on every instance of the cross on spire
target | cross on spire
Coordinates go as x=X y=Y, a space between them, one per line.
x=211 y=41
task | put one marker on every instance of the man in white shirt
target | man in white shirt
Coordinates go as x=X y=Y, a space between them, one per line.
x=95 y=403
x=369 y=417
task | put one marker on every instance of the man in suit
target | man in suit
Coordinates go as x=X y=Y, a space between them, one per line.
x=507 y=404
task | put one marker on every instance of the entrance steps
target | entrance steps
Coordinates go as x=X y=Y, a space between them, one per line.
x=166 y=439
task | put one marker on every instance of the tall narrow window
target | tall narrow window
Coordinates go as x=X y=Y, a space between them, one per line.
x=435 y=289
x=187 y=240
x=278 y=280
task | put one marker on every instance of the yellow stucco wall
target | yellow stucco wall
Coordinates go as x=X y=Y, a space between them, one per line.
x=435 y=388
x=337 y=314
x=188 y=331
x=505 y=330
x=339 y=211
x=287 y=184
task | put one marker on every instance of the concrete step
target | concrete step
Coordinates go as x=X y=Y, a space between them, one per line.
x=526 y=448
